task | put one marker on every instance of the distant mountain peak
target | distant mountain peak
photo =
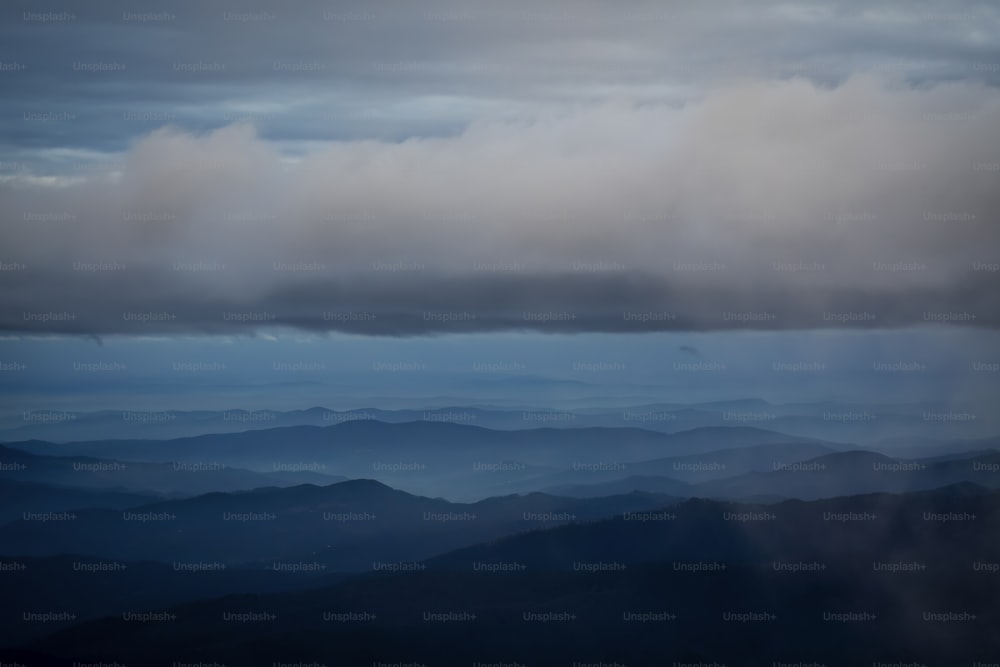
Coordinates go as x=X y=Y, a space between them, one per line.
x=362 y=485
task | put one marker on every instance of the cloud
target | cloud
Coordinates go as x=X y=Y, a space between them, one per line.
x=768 y=204
x=392 y=69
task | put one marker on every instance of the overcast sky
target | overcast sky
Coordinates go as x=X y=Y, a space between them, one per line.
x=388 y=168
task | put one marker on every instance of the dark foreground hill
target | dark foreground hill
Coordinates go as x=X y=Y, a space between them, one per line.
x=849 y=581
x=341 y=527
x=86 y=588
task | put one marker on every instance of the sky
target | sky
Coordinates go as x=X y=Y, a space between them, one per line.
x=499 y=181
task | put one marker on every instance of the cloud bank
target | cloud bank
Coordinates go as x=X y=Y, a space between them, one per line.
x=766 y=204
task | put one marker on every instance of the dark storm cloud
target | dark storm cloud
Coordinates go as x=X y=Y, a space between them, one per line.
x=556 y=304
